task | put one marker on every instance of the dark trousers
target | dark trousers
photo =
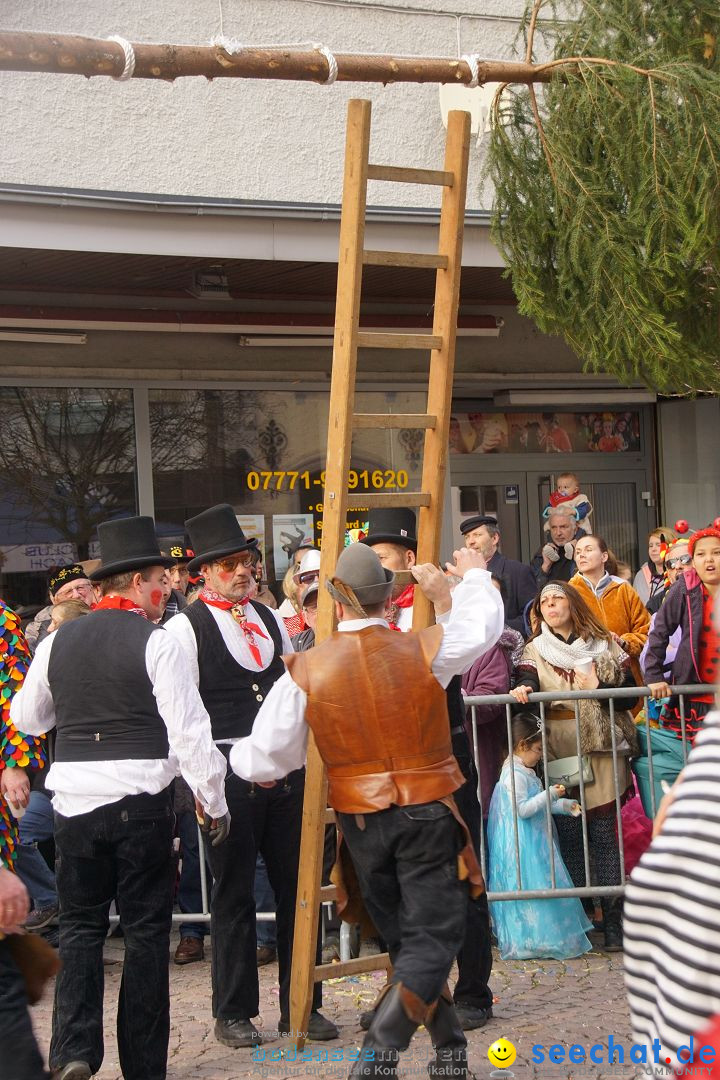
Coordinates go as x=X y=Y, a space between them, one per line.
x=405 y=858
x=121 y=851
x=602 y=848
x=264 y=902
x=475 y=957
x=189 y=893
x=19 y=1055
x=269 y=821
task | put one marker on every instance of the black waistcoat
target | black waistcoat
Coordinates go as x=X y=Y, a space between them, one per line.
x=104 y=702
x=231 y=694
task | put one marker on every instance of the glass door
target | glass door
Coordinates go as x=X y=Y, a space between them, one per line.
x=620 y=513
x=501 y=495
x=517 y=500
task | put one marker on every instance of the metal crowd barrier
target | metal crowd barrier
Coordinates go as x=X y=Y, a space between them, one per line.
x=570 y=699
x=539 y=700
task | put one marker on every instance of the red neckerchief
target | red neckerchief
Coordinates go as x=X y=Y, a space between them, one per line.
x=295 y=624
x=237 y=610
x=119 y=603
x=404 y=600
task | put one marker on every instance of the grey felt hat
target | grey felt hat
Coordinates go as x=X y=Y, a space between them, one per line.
x=360 y=569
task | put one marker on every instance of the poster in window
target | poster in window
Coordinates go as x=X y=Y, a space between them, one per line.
x=253 y=525
x=290 y=532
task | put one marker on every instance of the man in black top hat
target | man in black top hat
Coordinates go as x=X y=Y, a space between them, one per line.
x=481 y=533
x=391 y=535
x=234 y=649
x=128 y=718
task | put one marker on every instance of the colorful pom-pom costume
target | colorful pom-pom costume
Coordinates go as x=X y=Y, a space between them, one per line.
x=16 y=750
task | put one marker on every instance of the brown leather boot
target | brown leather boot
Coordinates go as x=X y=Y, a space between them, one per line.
x=396 y=1018
x=449 y=1041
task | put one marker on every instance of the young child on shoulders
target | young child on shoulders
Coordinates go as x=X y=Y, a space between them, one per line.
x=66 y=612
x=531 y=928
x=568 y=493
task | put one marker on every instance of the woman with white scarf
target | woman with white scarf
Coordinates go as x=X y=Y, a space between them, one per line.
x=567 y=647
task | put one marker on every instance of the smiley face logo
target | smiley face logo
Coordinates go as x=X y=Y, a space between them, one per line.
x=502 y=1053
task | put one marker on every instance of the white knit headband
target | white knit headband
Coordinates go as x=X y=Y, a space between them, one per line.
x=553 y=589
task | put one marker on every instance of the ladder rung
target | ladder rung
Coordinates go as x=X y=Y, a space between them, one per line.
x=394 y=420
x=405 y=258
x=328 y=892
x=371 y=340
x=379 y=962
x=329 y=817
x=410 y=176
x=357 y=499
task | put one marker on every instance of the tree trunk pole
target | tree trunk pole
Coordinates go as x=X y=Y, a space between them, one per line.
x=70 y=54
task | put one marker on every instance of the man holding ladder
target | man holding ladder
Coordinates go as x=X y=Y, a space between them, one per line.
x=391 y=780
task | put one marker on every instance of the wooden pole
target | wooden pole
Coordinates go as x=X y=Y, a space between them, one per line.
x=442 y=360
x=342 y=401
x=70 y=54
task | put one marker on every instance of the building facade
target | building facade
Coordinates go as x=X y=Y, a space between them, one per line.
x=167 y=286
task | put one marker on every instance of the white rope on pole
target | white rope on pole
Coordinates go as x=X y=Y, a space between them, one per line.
x=332 y=62
x=129 y=69
x=231 y=45
x=472 y=59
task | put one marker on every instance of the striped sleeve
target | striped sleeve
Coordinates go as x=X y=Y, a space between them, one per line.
x=672 y=903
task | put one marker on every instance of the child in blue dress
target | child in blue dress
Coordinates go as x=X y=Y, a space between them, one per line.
x=531 y=928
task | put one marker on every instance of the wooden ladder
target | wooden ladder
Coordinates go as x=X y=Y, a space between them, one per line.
x=342 y=422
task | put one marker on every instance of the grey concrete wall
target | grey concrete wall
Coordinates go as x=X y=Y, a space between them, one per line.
x=689 y=440
x=233 y=138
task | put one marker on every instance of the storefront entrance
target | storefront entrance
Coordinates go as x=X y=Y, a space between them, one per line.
x=517 y=500
x=513 y=483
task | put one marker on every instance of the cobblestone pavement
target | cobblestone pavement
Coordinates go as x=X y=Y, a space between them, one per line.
x=538 y=1002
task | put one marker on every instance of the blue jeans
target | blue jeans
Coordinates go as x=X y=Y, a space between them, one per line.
x=33 y=871
x=264 y=901
x=189 y=893
x=120 y=851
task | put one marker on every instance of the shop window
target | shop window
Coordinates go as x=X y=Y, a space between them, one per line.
x=264 y=452
x=67 y=462
x=545 y=432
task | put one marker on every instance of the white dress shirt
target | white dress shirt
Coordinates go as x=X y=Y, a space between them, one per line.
x=82 y=786
x=182 y=630
x=278 y=743
x=405 y=619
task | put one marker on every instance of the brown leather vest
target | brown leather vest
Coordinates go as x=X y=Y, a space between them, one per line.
x=379 y=717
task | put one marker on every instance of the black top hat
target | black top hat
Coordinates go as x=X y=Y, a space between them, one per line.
x=216 y=533
x=179 y=553
x=476 y=521
x=127 y=544
x=392 y=525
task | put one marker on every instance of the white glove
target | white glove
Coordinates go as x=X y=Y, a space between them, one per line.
x=550 y=552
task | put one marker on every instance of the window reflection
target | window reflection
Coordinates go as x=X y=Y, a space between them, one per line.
x=67 y=462
x=264 y=452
